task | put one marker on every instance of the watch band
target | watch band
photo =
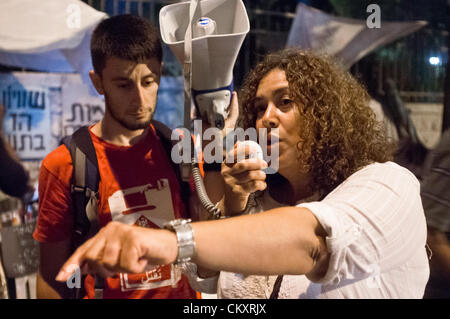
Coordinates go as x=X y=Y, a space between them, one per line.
x=185 y=239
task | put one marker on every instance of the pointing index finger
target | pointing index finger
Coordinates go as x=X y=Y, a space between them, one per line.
x=72 y=264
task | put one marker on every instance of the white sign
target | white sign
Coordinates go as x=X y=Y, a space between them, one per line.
x=27 y=98
x=79 y=107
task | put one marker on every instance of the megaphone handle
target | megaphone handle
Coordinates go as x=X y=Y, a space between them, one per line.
x=188 y=65
x=187 y=96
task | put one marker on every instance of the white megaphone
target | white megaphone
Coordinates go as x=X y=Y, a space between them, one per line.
x=218 y=28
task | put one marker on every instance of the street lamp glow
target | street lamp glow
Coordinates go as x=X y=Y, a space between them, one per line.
x=434 y=60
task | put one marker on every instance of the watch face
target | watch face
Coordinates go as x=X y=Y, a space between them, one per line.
x=179 y=222
x=171 y=224
x=186 y=243
x=176 y=223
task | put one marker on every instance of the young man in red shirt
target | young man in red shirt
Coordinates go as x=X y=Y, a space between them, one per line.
x=138 y=185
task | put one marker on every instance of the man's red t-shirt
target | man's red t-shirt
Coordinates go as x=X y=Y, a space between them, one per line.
x=137 y=186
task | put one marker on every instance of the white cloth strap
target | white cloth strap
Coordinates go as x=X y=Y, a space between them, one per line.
x=188 y=65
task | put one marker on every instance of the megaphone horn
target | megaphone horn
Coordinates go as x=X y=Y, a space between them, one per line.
x=218 y=30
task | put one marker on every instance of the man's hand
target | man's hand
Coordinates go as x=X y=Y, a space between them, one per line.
x=121 y=248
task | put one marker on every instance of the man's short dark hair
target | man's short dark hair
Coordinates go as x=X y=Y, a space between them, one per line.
x=126 y=37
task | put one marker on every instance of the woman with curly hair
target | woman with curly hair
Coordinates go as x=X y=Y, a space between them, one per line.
x=337 y=129
x=337 y=220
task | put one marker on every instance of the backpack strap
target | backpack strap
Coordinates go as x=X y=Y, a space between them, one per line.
x=85 y=181
x=84 y=191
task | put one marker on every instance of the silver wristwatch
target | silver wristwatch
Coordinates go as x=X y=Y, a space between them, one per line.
x=185 y=238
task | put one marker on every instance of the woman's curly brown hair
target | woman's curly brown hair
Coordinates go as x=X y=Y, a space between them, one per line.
x=337 y=127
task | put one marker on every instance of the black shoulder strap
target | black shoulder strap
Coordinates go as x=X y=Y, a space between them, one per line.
x=165 y=135
x=84 y=190
x=276 y=287
x=85 y=181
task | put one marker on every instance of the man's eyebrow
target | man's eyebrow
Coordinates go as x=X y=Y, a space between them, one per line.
x=125 y=78
x=150 y=75
x=121 y=78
